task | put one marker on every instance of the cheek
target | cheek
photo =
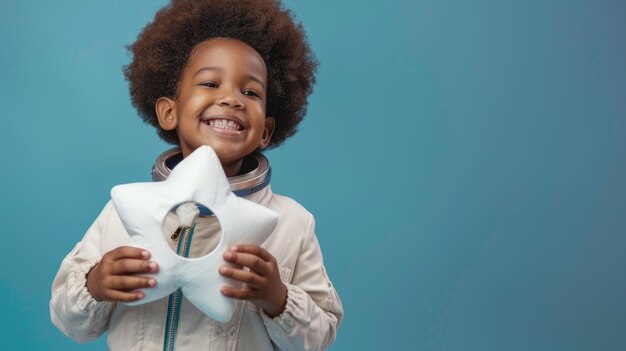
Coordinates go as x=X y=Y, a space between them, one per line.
x=192 y=104
x=258 y=110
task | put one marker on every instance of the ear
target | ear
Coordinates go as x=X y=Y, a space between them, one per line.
x=166 y=113
x=270 y=124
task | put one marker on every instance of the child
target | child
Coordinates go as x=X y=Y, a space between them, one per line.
x=234 y=75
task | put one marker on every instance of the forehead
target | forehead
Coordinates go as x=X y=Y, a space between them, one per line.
x=230 y=55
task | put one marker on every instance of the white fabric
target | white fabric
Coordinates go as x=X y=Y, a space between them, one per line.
x=309 y=322
x=142 y=207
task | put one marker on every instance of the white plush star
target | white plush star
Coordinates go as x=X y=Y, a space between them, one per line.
x=142 y=208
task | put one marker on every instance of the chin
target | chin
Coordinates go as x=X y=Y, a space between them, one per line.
x=228 y=156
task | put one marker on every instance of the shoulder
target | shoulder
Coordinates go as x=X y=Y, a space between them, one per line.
x=291 y=212
x=103 y=218
x=112 y=231
x=285 y=203
x=109 y=215
x=295 y=225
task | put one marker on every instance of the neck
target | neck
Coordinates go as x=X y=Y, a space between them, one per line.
x=233 y=169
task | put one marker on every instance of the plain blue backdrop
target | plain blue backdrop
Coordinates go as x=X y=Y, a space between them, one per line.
x=465 y=160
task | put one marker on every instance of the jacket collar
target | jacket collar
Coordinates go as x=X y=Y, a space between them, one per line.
x=253 y=184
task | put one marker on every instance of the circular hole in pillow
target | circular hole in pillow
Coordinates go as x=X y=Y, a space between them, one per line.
x=190 y=235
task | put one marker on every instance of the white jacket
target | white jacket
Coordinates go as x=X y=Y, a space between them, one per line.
x=309 y=321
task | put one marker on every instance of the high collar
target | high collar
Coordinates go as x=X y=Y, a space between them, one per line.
x=253 y=184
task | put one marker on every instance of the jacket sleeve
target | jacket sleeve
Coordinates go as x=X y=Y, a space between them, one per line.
x=313 y=311
x=72 y=308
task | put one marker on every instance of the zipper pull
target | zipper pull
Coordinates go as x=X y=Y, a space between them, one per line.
x=176 y=233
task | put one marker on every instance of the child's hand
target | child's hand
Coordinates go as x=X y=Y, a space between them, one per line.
x=263 y=285
x=114 y=279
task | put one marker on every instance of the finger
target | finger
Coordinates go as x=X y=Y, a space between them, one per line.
x=241 y=294
x=250 y=278
x=128 y=252
x=131 y=266
x=129 y=283
x=254 y=250
x=255 y=263
x=122 y=296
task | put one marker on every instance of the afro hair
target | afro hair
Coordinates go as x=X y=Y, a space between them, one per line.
x=162 y=50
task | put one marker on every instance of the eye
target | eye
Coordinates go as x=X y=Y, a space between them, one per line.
x=210 y=84
x=251 y=93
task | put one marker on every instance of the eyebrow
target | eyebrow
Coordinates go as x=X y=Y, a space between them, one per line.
x=218 y=69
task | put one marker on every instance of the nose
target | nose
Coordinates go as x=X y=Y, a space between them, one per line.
x=230 y=99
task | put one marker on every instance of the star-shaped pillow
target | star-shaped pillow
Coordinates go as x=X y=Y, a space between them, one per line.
x=199 y=177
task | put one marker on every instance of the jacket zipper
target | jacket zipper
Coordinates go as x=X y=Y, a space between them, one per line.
x=175 y=299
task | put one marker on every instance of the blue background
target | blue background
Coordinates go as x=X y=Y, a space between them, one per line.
x=466 y=162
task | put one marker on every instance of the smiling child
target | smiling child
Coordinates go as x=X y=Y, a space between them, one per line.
x=234 y=75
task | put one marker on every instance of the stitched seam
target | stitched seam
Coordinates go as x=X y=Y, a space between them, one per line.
x=105 y=226
x=307 y=233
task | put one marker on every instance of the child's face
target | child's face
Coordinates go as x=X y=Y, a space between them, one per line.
x=221 y=102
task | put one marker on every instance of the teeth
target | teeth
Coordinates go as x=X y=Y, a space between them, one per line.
x=225 y=124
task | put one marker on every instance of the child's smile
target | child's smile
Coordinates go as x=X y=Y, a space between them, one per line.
x=224 y=124
x=221 y=102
